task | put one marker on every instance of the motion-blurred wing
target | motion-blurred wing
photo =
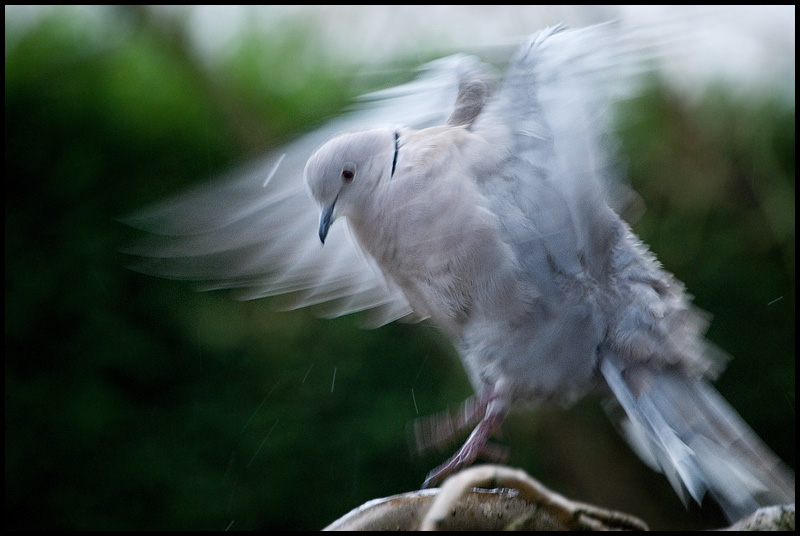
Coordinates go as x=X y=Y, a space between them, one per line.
x=256 y=229
x=552 y=115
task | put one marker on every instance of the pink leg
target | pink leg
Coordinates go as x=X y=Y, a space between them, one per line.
x=439 y=430
x=493 y=416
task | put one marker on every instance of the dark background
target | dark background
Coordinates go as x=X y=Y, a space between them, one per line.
x=137 y=403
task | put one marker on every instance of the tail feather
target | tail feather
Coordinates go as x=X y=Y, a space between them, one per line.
x=683 y=427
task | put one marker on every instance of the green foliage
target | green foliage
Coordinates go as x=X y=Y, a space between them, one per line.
x=135 y=403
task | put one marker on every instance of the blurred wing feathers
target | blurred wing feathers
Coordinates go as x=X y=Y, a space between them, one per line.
x=256 y=230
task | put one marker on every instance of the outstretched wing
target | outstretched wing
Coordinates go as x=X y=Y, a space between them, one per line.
x=552 y=116
x=552 y=185
x=255 y=230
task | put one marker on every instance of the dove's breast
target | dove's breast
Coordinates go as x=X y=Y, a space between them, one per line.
x=431 y=231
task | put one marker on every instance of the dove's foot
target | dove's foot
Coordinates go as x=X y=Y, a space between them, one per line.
x=477 y=444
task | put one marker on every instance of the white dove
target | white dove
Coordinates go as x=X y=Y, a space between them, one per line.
x=498 y=226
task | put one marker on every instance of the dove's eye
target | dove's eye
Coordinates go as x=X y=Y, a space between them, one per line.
x=348 y=172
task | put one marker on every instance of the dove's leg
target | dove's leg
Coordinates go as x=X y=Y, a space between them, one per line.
x=493 y=414
x=437 y=431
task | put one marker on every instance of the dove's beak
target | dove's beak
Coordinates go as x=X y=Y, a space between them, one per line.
x=325 y=221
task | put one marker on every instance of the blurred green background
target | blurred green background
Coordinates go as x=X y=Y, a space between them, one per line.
x=137 y=403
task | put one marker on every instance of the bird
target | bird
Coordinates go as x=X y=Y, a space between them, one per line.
x=493 y=212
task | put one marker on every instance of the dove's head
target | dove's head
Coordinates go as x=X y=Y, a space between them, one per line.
x=343 y=174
